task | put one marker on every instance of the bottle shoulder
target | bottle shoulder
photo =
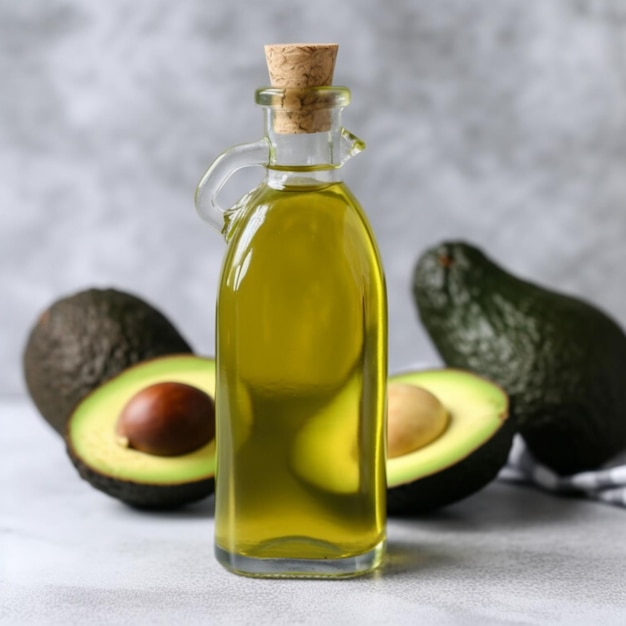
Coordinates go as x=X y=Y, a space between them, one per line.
x=309 y=215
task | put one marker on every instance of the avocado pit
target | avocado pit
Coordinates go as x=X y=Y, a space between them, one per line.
x=167 y=419
x=415 y=418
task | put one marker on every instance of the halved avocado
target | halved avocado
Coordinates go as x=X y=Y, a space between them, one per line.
x=137 y=478
x=466 y=457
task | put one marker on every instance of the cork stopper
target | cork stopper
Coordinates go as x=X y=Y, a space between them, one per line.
x=301 y=65
x=296 y=68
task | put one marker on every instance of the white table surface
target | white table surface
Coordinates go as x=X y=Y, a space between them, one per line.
x=508 y=555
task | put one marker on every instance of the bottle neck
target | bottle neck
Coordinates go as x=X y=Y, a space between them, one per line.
x=303 y=130
x=303 y=158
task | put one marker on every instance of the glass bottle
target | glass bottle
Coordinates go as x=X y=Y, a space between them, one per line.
x=301 y=348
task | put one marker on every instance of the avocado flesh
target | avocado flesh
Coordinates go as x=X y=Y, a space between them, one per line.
x=561 y=360
x=465 y=457
x=84 y=339
x=135 y=477
x=476 y=410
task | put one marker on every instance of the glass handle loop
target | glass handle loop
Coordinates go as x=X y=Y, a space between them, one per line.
x=224 y=166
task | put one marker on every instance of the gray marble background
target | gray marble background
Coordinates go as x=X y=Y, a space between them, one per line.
x=503 y=123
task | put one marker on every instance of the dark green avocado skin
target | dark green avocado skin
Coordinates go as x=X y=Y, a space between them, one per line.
x=83 y=340
x=560 y=359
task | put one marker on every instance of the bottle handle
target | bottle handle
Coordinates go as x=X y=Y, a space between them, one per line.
x=224 y=166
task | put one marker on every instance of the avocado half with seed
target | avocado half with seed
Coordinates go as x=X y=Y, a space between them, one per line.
x=135 y=477
x=466 y=457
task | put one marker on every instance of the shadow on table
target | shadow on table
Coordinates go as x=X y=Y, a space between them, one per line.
x=403 y=557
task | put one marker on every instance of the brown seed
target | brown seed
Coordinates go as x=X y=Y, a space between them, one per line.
x=167 y=419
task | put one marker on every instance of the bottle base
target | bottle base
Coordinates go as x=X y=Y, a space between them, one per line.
x=345 y=567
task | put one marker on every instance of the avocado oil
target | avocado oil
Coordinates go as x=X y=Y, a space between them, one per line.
x=300 y=382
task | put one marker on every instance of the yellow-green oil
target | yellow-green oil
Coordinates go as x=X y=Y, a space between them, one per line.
x=301 y=344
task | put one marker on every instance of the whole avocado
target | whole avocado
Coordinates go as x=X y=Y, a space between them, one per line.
x=84 y=339
x=561 y=360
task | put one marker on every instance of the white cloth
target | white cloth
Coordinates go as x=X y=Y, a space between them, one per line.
x=607 y=484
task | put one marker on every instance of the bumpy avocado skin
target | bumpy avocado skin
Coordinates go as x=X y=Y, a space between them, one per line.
x=561 y=360
x=83 y=340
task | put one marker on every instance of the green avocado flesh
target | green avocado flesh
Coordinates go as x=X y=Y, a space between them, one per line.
x=136 y=477
x=465 y=457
